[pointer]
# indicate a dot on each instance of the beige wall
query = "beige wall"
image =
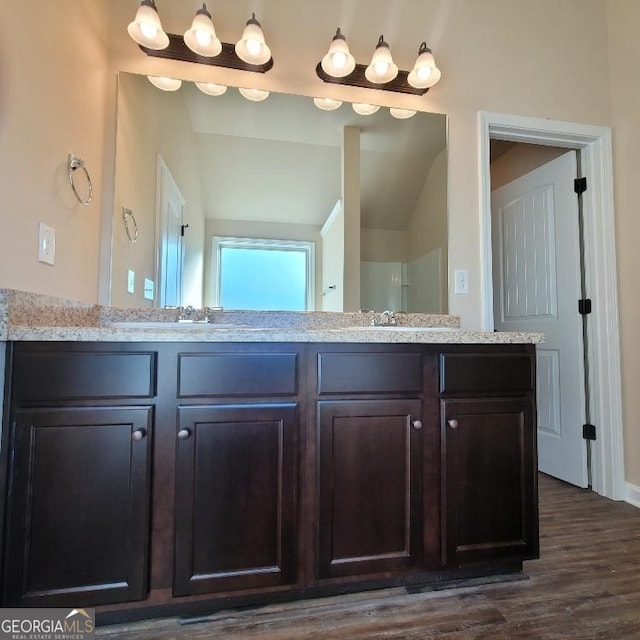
(332, 233)
(148, 127)
(520, 160)
(624, 18)
(380, 245)
(52, 102)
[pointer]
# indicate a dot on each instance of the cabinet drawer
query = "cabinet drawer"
(237, 374)
(82, 375)
(369, 373)
(486, 372)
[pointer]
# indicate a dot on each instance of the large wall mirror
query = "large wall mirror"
(202, 174)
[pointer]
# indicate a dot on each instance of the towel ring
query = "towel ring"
(78, 163)
(130, 224)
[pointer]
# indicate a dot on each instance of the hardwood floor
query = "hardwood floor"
(586, 585)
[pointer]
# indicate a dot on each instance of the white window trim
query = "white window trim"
(309, 249)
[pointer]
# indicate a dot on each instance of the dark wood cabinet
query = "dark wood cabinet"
(183, 477)
(78, 506)
(489, 479)
(370, 516)
(235, 497)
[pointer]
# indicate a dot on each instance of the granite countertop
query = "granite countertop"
(34, 317)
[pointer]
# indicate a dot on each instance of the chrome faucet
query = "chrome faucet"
(385, 319)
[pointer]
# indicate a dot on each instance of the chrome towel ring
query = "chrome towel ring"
(78, 163)
(130, 224)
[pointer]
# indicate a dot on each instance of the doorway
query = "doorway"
(594, 146)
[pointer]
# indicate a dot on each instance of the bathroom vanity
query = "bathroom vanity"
(173, 471)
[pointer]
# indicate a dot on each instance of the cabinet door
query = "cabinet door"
(78, 517)
(235, 497)
(370, 517)
(490, 480)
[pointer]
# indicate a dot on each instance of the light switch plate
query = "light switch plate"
(131, 281)
(46, 244)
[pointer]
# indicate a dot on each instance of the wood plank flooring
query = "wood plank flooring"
(585, 586)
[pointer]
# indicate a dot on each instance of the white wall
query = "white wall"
(520, 160)
(332, 289)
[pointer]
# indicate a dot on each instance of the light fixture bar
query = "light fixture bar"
(357, 79)
(178, 50)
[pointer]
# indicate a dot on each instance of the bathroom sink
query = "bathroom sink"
(403, 328)
(171, 325)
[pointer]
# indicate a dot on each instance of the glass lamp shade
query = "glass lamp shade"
(251, 48)
(338, 62)
(201, 38)
(402, 114)
(364, 109)
(255, 95)
(146, 29)
(382, 68)
(424, 73)
(327, 104)
(211, 89)
(164, 83)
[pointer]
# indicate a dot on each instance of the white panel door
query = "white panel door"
(536, 280)
(170, 241)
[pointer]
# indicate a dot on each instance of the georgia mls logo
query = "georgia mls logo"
(47, 624)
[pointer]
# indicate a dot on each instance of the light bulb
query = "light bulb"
(255, 95)
(327, 104)
(146, 29)
(338, 62)
(402, 114)
(211, 88)
(164, 83)
(382, 69)
(424, 73)
(364, 109)
(201, 37)
(252, 48)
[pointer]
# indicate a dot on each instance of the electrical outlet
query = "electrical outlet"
(148, 289)
(131, 281)
(461, 281)
(46, 244)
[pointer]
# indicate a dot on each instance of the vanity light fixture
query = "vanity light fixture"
(251, 47)
(365, 109)
(424, 73)
(382, 68)
(211, 88)
(164, 83)
(201, 38)
(327, 104)
(381, 73)
(200, 44)
(146, 29)
(255, 95)
(402, 114)
(338, 62)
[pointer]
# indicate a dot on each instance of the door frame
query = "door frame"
(603, 333)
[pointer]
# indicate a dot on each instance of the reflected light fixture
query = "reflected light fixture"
(327, 104)
(381, 69)
(211, 88)
(201, 38)
(365, 109)
(338, 62)
(146, 28)
(424, 73)
(255, 95)
(164, 83)
(402, 114)
(252, 47)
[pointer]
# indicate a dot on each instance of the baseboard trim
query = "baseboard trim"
(632, 494)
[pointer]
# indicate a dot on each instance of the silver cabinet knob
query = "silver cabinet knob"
(453, 423)
(183, 434)
(417, 424)
(138, 434)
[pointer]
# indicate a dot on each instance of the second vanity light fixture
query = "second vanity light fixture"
(339, 66)
(200, 43)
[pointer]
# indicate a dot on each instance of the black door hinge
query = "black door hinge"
(580, 185)
(588, 432)
(182, 229)
(584, 306)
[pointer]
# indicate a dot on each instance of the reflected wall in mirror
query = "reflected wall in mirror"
(195, 168)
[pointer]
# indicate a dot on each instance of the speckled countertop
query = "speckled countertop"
(33, 317)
